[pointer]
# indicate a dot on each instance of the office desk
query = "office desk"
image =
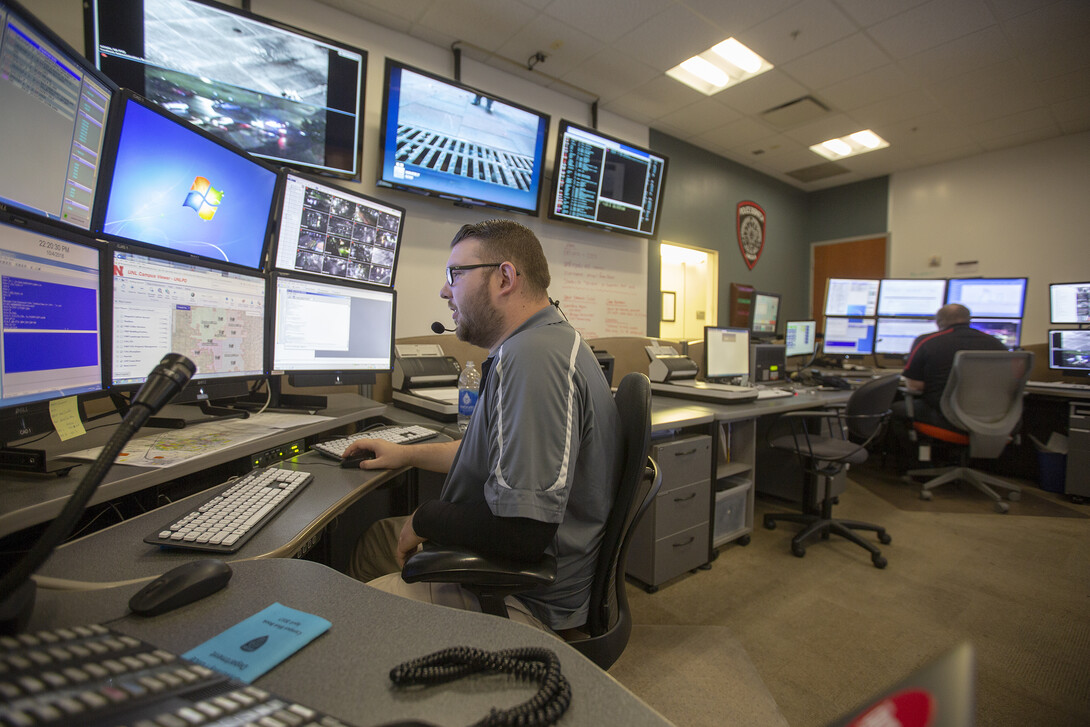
(345, 671)
(119, 553)
(30, 499)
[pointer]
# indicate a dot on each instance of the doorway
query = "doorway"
(690, 291)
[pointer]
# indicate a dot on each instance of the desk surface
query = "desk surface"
(30, 499)
(345, 671)
(668, 412)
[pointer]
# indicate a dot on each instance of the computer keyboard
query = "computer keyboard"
(773, 393)
(1060, 385)
(407, 434)
(224, 523)
(96, 677)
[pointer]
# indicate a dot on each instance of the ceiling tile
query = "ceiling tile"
(1049, 24)
(977, 50)
(868, 88)
(737, 134)
(564, 47)
(485, 23)
(669, 38)
(801, 29)
(1057, 59)
(606, 20)
(658, 97)
(830, 127)
(836, 62)
(1073, 114)
(610, 74)
(411, 10)
(908, 105)
(700, 117)
(1031, 121)
(869, 12)
(738, 16)
(762, 93)
(930, 25)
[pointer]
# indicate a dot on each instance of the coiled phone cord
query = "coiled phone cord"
(526, 664)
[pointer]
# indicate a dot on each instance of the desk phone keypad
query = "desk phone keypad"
(224, 523)
(97, 677)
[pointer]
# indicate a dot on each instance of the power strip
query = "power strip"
(278, 454)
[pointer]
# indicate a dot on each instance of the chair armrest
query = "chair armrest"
(445, 564)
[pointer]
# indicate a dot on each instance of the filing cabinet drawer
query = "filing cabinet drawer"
(681, 508)
(683, 461)
(675, 555)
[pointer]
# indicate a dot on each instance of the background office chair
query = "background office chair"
(609, 622)
(983, 400)
(853, 428)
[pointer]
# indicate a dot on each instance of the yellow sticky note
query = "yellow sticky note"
(65, 416)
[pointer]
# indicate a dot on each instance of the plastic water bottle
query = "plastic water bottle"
(469, 384)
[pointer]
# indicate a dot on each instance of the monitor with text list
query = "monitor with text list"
(1069, 352)
(1069, 302)
(726, 352)
(329, 332)
(989, 297)
(920, 298)
(211, 313)
(800, 337)
(851, 297)
(53, 125)
(765, 314)
(895, 336)
(49, 322)
(848, 336)
(327, 230)
(171, 185)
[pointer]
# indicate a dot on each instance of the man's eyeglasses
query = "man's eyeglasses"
(452, 269)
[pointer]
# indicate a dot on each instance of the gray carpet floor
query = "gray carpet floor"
(765, 638)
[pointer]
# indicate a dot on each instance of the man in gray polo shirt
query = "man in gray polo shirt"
(536, 469)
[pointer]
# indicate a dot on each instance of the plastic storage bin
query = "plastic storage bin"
(730, 511)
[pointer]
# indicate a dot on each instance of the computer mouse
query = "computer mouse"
(178, 586)
(353, 462)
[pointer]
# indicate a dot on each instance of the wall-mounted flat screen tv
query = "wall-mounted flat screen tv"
(445, 139)
(605, 182)
(276, 91)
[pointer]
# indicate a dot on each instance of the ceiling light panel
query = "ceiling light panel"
(851, 145)
(723, 65)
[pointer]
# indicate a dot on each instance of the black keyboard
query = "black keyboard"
(93, 676)
(408, 434)
(226, 522)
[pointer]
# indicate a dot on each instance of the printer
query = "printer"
(425, 381)
(669, 365)
(674, 374)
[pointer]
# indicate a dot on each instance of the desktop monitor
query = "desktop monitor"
(1069, 352)
(851, 297)
(52, 128)
(1069, 302)
(327, 230)
(765, 314)
(848, 336)
(989, 297)
(214, 314)
(800, 338)
(327, 332)
(604, 182)
(172, 185)
(49, 323)
(919, 298)
(445, 139)
(895, 336)
(726, 352)
(278, 92)
(1007, 330)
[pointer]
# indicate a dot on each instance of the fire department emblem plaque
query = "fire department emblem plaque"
(751, 231)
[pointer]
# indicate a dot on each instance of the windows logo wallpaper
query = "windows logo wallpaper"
(203, 198)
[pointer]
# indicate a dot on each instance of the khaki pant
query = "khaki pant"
(373, 562)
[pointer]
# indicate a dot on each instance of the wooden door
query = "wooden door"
(865, 258)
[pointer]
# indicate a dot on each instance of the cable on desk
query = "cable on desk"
(527, 664)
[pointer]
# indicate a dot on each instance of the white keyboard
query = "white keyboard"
(1058, 385)
(773, 393)
(227, 521)
(408, 434)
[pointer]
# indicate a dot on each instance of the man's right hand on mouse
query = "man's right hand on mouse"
(387, 455)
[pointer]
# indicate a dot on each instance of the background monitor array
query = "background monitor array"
(1069, 303)
(276, 91)
(800, 338)
(1069, 352)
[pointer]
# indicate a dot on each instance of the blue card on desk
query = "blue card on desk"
(252, 647)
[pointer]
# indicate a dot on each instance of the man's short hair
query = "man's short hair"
(508, 240)
(952, 314)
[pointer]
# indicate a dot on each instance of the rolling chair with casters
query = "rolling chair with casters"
(854, 427)
(983, 402)
(609, 622)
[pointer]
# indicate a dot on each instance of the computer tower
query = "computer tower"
(767, 363)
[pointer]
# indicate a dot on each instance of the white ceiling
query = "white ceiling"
(938, 79)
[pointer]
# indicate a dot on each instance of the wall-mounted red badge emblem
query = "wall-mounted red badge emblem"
(751, 231)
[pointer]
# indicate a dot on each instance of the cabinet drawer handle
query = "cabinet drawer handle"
(683, 499)
(682, 545)
(685, 454)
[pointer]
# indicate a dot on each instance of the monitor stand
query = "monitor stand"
(277, 399)
(206, 407)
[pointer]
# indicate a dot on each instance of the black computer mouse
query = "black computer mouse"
(179, 586)
(353, 462)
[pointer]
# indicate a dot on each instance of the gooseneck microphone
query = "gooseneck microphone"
(163, 383)
(438, 327)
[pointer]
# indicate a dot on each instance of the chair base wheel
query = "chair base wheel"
(1002, 507)
(879, 561)
(743, 541)
(651, 589)
(1014, 496)
(770, 524)
(798, 550)
(884, 538)
(925, 494)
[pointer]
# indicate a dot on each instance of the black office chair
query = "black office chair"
(853, 427)
(609, 622)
